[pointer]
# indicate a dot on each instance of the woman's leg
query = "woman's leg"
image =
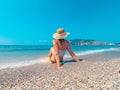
(50, 58)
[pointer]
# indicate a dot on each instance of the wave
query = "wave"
(91, 52)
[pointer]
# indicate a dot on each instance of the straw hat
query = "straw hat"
(60, 34)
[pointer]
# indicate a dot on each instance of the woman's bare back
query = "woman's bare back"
(62, 45)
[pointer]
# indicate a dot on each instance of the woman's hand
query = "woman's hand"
(59, 67)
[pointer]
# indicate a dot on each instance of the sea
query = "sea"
(22, 55)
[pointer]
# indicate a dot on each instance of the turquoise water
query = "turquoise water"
(18, 55)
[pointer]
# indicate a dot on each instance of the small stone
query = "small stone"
(119, 71)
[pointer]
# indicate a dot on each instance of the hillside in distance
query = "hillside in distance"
(79, 42)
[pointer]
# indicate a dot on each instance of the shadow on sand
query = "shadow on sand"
(69, 61)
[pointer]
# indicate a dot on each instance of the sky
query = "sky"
(33, 22)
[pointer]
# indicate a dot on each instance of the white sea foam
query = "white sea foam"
(23, 63)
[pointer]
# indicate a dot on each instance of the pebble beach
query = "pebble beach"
(94, 74)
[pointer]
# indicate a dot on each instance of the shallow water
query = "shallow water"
(19, 55)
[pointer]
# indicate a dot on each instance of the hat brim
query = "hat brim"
(61, 36)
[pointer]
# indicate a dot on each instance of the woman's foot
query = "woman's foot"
(59, 67)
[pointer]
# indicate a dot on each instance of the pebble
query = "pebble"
(119, 71)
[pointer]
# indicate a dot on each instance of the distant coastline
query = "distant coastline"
(80, 42)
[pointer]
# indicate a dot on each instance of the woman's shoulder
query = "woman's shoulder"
(66, 41)
(55, 41)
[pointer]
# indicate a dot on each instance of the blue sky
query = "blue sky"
(33, 22)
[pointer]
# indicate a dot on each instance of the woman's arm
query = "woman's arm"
(72, 54)
(56, 54)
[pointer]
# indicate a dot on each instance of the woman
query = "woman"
(60, 45)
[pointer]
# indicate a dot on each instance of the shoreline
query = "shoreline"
(87, 55)
(96, 56)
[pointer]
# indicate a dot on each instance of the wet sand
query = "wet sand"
(99, 72)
